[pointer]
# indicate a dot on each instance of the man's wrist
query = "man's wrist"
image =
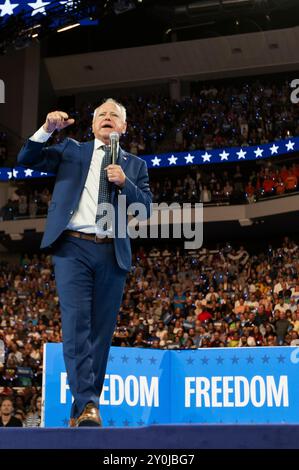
(41, 135)
(45, 129)
(123, 184)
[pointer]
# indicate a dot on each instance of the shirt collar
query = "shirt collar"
(98, 143)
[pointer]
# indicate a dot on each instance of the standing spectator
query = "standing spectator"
(179, 299)
(227, 190)
(250, 192)
(205, 195)
(282, 326)
(32, 207)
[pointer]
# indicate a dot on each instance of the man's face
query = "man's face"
(6, 407)
(108, 118)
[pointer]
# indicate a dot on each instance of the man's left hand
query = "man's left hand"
(116, 175)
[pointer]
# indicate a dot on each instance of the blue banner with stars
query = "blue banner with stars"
(196, 157)
(38, 9)
(33, 8)
(21, 173)
(219, 385)
(135, 393)
(228, 154)
(235, 385)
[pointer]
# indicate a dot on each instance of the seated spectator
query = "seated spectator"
(268, 186)
(6, 414)
(290, 181)
(233, 339)
(20, 415)
(279, 186)
(33, 418)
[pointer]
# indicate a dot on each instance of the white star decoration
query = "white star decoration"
(13, 173)
(42, 173)
(241, 154)
(258, 152)
(28, 172)
(156, 161)
(290, 145)
(38, 7)
(206, 157)
(274, 149)
(172, 160)
(7, 8)
(189, 158)
(224, 155)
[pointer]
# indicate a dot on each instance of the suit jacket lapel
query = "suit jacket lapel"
(86, 151)
(122, 159)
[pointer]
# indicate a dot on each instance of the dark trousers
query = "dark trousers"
(90, 286)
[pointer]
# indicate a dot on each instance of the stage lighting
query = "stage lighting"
(70, 26)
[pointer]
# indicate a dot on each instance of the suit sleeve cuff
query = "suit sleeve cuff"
(128, 188)
(41, 136)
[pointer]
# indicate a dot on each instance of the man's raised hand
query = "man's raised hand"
(57, 120)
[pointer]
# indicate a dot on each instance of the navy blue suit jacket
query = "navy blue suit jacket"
(70, 161)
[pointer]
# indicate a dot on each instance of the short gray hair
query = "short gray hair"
(111, 100)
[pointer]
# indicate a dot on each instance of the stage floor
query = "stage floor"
(205, 437)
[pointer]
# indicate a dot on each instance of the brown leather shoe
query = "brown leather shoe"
(89, 417)
(72, 422)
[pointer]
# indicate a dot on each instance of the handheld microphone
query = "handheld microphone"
(114, 139)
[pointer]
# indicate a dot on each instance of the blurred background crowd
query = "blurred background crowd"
(214, 115)
(236, 184)
(174, 299)
(218, 114)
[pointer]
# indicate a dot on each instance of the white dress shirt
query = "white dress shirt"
(83, 219)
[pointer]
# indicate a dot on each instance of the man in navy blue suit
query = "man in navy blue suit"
(91, 260)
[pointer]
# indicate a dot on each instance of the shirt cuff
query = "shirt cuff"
(41, 135)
